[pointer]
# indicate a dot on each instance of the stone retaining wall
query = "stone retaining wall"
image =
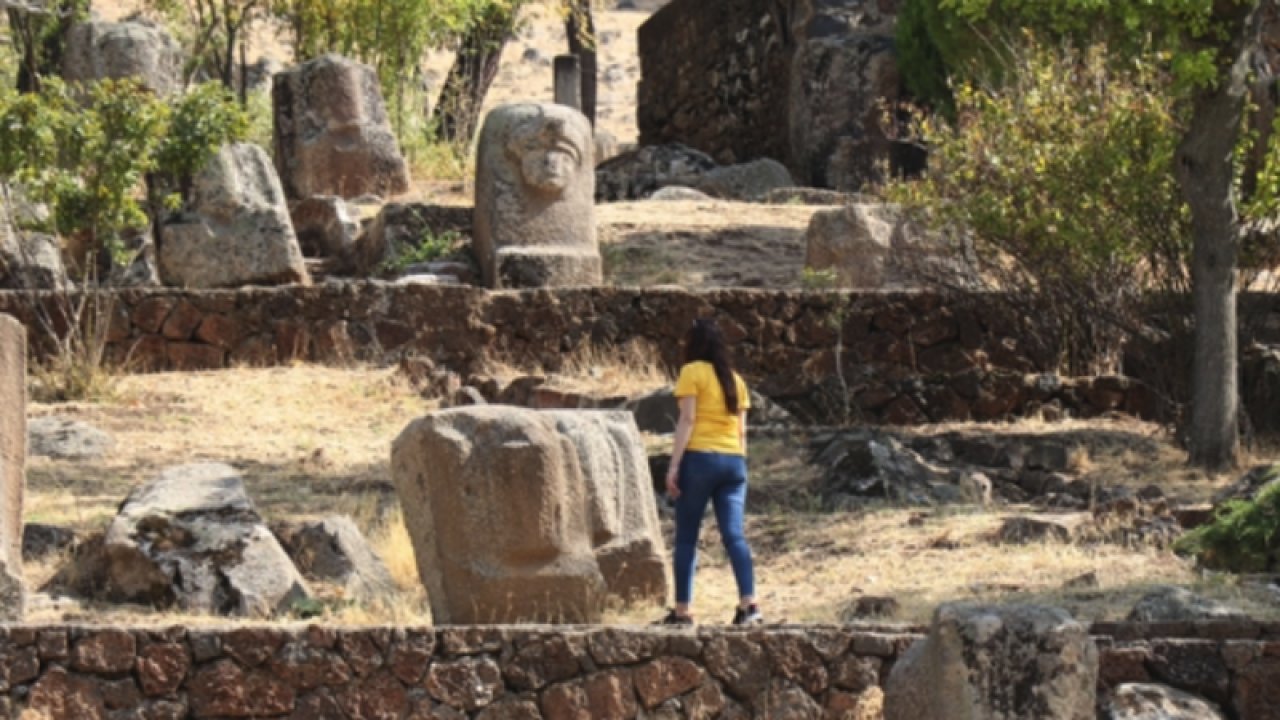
(87, 673)
(906, 356)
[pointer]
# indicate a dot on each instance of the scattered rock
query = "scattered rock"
(1144, 701)
(192, 539)
(869, 464)
(40, 540)
(65, 439)
(1087, 580)
(1027, 530)
(857, 242)
(1250, 485)
(747, 182)
(638, 174)
(400, 228)
(1175, 604)
(326, 230)
(335, 550)
(679, 193)
(813, 196)
(236, 228)
(870, 606)
(1019, 661)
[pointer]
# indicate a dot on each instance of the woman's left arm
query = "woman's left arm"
(742, 431)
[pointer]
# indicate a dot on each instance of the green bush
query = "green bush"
(1243, 536)
(1056, 188)
(87, 152)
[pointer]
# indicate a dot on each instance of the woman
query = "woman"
(709, 464)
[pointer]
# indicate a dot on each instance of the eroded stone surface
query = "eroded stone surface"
(13, 463)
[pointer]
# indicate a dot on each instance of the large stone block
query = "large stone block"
(332, 133)
(535, 189)
(496, 507)
(139, 50)
(13, 458)
(236, 229)
(621, 506)
(996, 663)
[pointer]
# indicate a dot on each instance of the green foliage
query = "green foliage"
(203, 120)
(1059, 185)
(392, 36)
(1243, 536)
(86, 152)
(944, 41)
(432, 246)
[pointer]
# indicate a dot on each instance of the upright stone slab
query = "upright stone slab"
(495, 504)
(13, 458)
(236, 228)
(139, 50)
(621, 507)
(535, 188)
(996, 663)
(332, 133)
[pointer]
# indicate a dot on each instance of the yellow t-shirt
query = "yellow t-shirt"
(715, 429)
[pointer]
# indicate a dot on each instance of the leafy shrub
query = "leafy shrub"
(1244, 535)
(432, 246)
(1056, 188)
(87, 152)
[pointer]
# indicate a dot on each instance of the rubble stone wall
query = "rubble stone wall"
(86, 673)
(905, 356)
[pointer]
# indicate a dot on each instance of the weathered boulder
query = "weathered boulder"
(1175, 604)
(332, 133)
(865, 464)
(638, 174)
(13, 463)
(535, 214)
(326, 230)
(191, 539)
(334, 549)
(496, 505)
(996, 663)
(134, 49)
(857, 241)
(1143, 701)
(748, 182)
(679, 193)
(40, 540)
(29, 260)
(66, 439)
(621, 506)
(235, 229)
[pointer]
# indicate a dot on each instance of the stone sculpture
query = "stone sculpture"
(621, 507)
(535, 184)
(332, 134)
(496, 507)
(13, 458)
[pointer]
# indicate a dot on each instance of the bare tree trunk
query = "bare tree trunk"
(475, 65)
(580, 27)
(1206, 175)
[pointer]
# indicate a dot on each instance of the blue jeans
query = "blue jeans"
(722, 480)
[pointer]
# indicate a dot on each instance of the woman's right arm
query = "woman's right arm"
(684, 430)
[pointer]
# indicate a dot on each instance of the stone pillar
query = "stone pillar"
(1013, 662)
(535, 198)
(13, 458)
(568, 81)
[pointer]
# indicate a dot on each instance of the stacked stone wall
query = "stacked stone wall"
(86, 673)
(906, 357)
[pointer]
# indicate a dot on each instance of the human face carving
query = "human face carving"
(549, 158)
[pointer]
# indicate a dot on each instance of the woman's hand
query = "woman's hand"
(673, 483)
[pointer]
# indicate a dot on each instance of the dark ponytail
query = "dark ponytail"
(705, 342)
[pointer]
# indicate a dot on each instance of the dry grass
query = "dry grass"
(316, 441)
(628, 369)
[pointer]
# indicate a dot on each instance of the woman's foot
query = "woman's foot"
(675, 618)
(749, 615)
